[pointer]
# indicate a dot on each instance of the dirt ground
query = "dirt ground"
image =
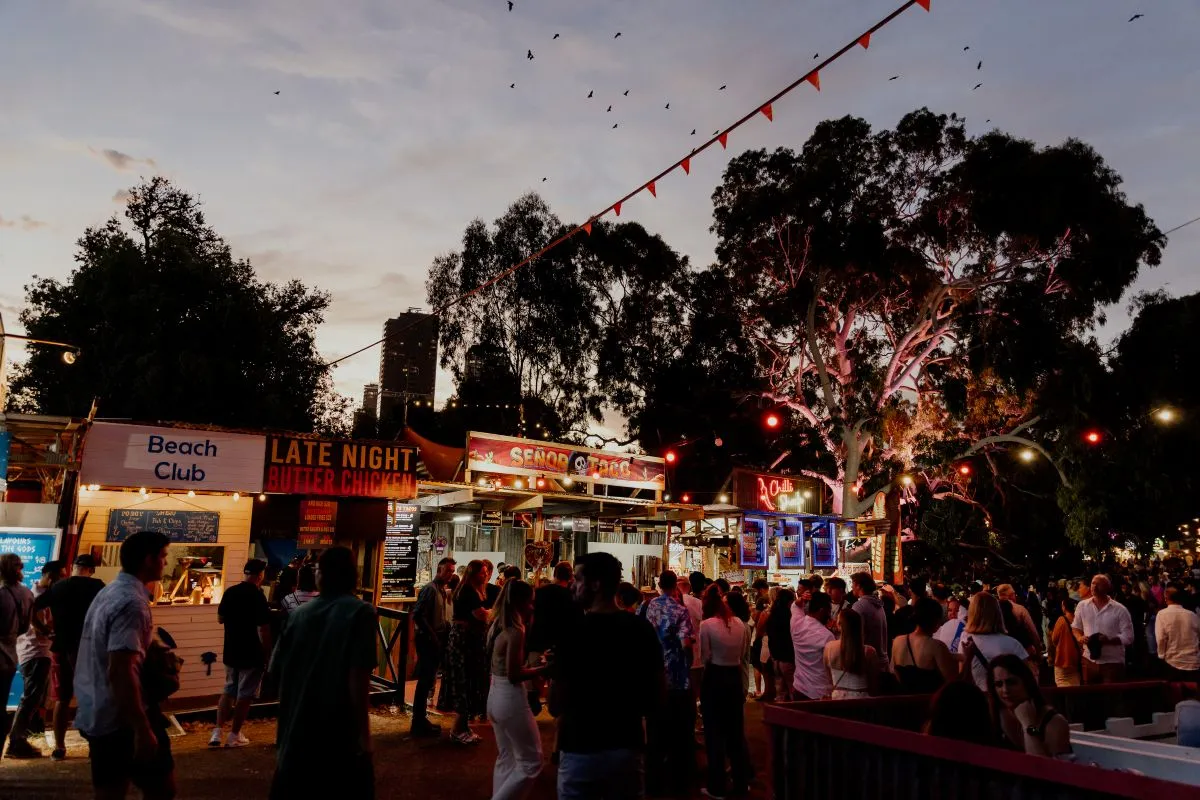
(404, 767)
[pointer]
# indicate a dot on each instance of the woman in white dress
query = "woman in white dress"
(853, 666)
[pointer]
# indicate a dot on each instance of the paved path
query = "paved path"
(404, 767)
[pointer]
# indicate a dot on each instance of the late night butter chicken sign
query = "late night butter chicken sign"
(337, 468)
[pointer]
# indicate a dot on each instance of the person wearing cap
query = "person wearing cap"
(247, 619)
(33, 653)
(68, 601)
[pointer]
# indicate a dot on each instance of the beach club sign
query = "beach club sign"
(143, 456)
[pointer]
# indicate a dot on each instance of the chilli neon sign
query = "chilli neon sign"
(775, 494)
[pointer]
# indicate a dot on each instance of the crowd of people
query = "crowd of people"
(633, 681)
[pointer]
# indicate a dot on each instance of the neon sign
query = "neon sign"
(786, 494)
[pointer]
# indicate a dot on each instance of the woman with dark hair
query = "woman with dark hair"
(740, 607)
(629, 597)
(518, 743)
(1019, 712)
(853, 666)
(466, 653)
(306, 589)
(778, 634)
(1064, 648)
(922, 663)
(724, 642)
(960, 711)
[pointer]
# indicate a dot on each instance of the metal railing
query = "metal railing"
(395, 664)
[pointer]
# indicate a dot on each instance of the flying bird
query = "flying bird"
(614, 127)
(618, 36)
(529, 55)
(276, 92)
(716, 132)
(510, 5)
(693, 131)
(894, 77)
(986, 121)
(965, 49)
(609, 109)
(977, 86)
(555, 36)
(979, 65)
(816, 56)
(1136, 17)
(627, 93)
(590, 92)
(721, 88)
(512, 86)
(667, 106)
(543, 180)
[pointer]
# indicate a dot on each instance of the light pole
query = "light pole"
(69, 355)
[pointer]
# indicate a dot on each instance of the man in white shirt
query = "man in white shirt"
(809, 637)
(1177, 631)
(1104, 629)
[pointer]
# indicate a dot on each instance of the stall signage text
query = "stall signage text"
(318, 523)
(501, 454)
(752, 544)
(171, 458)
(340, 468)
(775, 493)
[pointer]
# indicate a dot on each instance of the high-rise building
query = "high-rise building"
(408, 362)
(370, 401)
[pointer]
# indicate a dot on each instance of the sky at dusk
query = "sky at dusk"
(395, 123)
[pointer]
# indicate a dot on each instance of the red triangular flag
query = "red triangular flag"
(587, 228)
(768, 112)
(865, 41)
(923, 4)
(724, 139)
(687, 166)
(815, 79)
(617, 208)
(650, 186)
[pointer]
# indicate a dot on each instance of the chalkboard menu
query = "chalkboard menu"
(823, 535)
(752, 544)
(184, 527)
(400, 552)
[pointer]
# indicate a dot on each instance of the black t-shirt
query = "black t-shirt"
(465, 603)
(69, 601)
(610, 669)
(554, 611)
(493, 594)
(242, 610)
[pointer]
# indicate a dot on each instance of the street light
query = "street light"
(1028, 454)
(1166, 415)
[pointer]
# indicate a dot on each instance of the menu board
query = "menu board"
(400, 552)
(791, 546)
(318, 522)
(752, 545)
(190, 527)
(823, 535)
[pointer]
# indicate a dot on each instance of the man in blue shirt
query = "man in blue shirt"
(128, 737)
(670, 748)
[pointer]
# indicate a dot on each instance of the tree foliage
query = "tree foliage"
(571, 334)
(173, 327)
(891, 279)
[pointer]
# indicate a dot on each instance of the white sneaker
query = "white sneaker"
(237, 740)
(215, 739)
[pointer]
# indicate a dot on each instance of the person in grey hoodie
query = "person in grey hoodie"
(869, 607)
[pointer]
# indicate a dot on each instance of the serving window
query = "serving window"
(194, 575)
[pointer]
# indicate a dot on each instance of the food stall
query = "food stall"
(196, 485)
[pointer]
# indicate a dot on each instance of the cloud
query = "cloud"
(24, 222)
(122, 196)
(122, 161)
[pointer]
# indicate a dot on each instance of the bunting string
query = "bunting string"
(812, 77)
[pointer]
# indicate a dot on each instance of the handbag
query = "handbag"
(161, 668)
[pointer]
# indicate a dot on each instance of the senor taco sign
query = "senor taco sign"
(336, 468)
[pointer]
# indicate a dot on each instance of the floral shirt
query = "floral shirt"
(673, 625)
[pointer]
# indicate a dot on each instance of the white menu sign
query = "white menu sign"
(137, 456)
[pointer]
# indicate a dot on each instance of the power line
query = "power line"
(1184, 225)
(812, 76)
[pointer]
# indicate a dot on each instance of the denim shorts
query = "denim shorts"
(242, 683)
